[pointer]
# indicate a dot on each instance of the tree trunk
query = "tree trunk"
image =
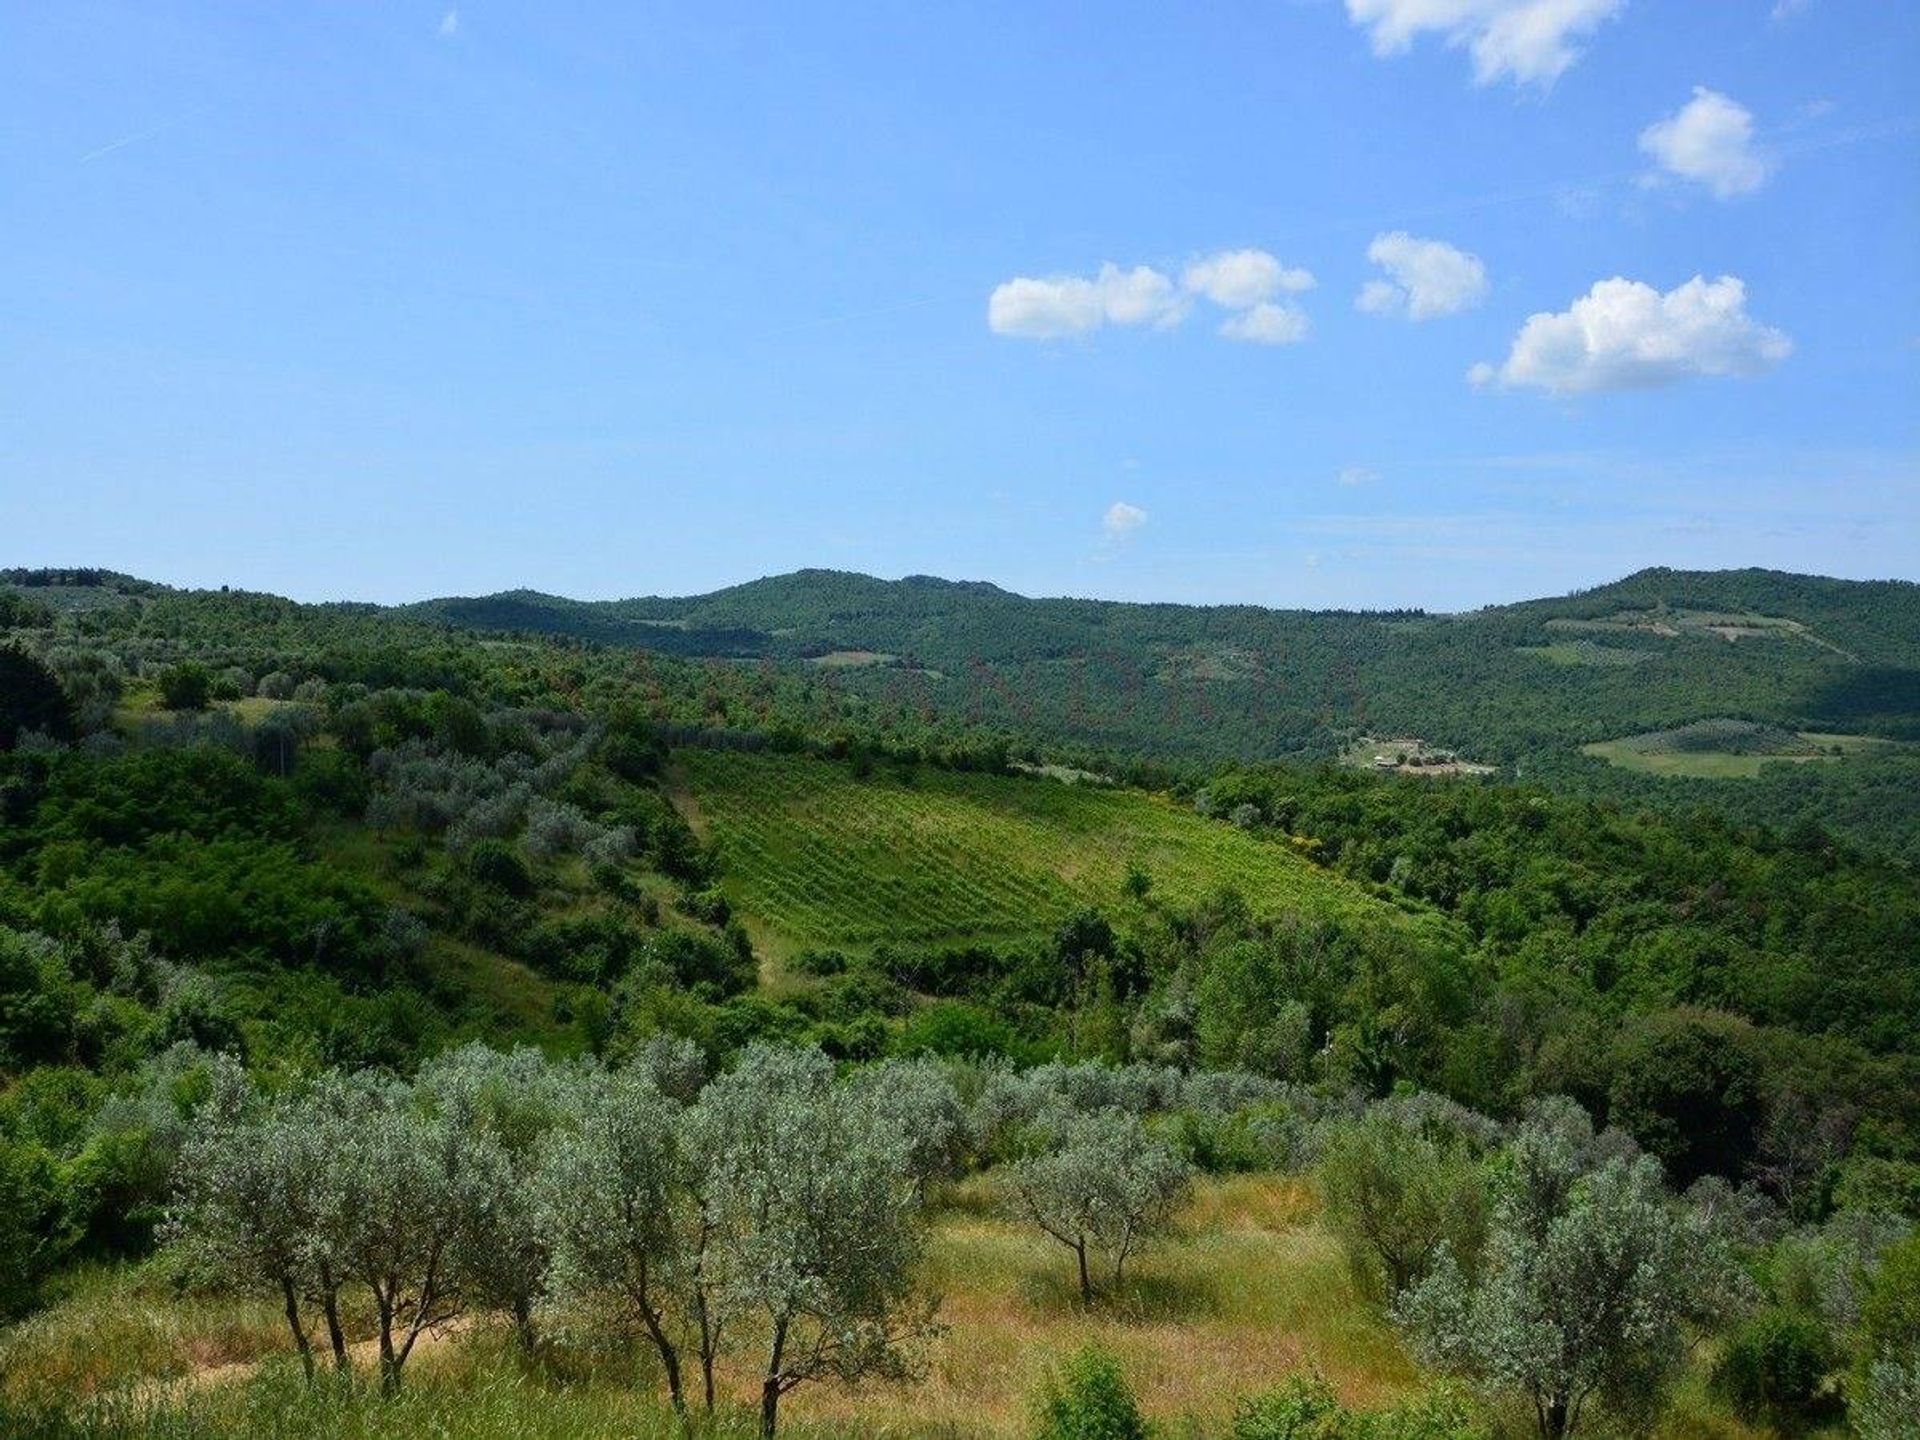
(663, 1342)
(293, 1323)
(1086, 1280)
(669, 1361)
(330, 1307)
(389, 1361)
(709, 1351)
(523, 1323)
(770, 1386)
(1553, 1421)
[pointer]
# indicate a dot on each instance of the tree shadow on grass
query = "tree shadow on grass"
(1141, 1298)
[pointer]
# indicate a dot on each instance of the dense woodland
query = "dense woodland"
(282, 887)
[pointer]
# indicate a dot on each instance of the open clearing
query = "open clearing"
(1724, 749)
(821, 858)
(1248, 1290)
(1408, 755)
(1587, 653)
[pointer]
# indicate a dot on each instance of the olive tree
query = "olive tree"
(816, 1224)
(1585, 1281)
(242, 1206)
(1395, 1195)
(1101, 1182)
(1888, 1398)
(402, 1188)
(918, 1099)
(508, 1102)
(622, 1200)
(256, 1193)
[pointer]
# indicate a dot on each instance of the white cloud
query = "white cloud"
(1429, 278)
(1624, 335)
(1248, 282)
(1121, 520)
(1357, 475)
(1239, 279)
(449, 24)
(1531, 41)
(1061, 305)
(1709, 139)
(1270, 322)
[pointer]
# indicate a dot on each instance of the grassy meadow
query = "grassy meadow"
(820, 857)
(1724, 749)
(1248, 1290)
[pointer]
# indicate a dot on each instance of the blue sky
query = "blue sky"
(391, 300)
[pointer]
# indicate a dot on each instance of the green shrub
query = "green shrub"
(1090, 1401)
(1890, 1317)
(1775, 1366)
(497, 865)
(953, 1027)
(820, 962)
(186, 686)
(1304, 1408)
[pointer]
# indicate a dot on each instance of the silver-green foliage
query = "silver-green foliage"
(1101, 1182)
(811, 1195)
(1586, 1279)
(623, 1199)
(1888, 1407)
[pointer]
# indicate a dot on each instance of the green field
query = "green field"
(1586, 652)
(820, 858)
(1723, 749)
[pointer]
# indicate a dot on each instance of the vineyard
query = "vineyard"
(822, 858)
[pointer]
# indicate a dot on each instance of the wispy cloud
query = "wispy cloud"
(1120, 521)
(1530, 42)
(450, 24)
(134, 139)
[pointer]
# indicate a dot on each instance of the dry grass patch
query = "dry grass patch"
(1248, 1291)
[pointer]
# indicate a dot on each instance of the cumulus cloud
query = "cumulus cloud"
(1429, 278)
(1055, 306)
(1624, 335)
(1251, 283)
(1121, 520)
(1240, 279)
(1529, 41)
(1270, 322)
(1708, 140)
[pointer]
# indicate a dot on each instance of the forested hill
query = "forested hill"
(1764, 695)
(1769, 696)
(818, 611)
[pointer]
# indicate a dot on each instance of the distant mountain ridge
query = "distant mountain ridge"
(831, 609)
(1541, 689)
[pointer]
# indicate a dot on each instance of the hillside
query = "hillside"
(1537, 688)
(823, 858)
(271, 866)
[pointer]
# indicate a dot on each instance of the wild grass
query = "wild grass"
(1248, 1290)
(116, 1325)
(1723, 749)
